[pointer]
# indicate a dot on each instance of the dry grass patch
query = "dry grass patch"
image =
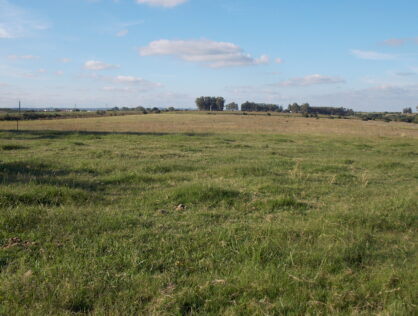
(223, 123)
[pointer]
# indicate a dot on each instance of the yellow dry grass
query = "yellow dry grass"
(222, 123)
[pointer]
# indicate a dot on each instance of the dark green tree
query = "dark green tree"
(232, 107)
(210, 103)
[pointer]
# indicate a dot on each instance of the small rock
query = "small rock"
(180, 207)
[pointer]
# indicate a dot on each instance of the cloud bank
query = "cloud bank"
(210, 53)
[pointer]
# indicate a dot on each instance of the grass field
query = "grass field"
(186, 122)
(283, 216)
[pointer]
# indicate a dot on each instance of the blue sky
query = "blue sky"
(94, 53)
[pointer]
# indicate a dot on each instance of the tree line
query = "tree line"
(305, 108)
(260, 107)
(218, 104)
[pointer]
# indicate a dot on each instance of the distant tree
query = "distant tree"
(304, 108)
(210, 103)
(407, 111)
(294, 108)
(171, 109)
(260, 107)
(232, 107)
(220, 104)
(200, 103)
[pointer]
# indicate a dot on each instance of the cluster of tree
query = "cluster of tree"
(13, 115)
(210, 103)
(260, 107)
(305, 108)
(29, 116)
(407, 111)
(389, 117)
(232, 107)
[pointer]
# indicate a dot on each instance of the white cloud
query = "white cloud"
(123, 83)
(97, 65)
(33, 74)
(16, 22)
(394, 42)
(278, 60)
(162, 3)
(210, 53)
(370, 55)
(311, 80)
(65, 60)
(24, 57)
(122, 33)
(377, 98)
(4, 33)
(128, 79)
(118, 89)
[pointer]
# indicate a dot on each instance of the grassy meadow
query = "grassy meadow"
(281, 216)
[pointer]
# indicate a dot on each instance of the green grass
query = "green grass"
(273, 225)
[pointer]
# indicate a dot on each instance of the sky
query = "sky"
(102, 53)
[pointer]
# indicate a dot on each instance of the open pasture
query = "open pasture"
(201, 122)
(283, 216)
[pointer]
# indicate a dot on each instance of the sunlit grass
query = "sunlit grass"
(273, 224)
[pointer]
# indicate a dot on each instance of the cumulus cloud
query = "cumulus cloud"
(135, 81)
(311, 80)
(97, 65)
(278, 60)
(128, 79)
(162, 3)
(370, 55)
(210, 53)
